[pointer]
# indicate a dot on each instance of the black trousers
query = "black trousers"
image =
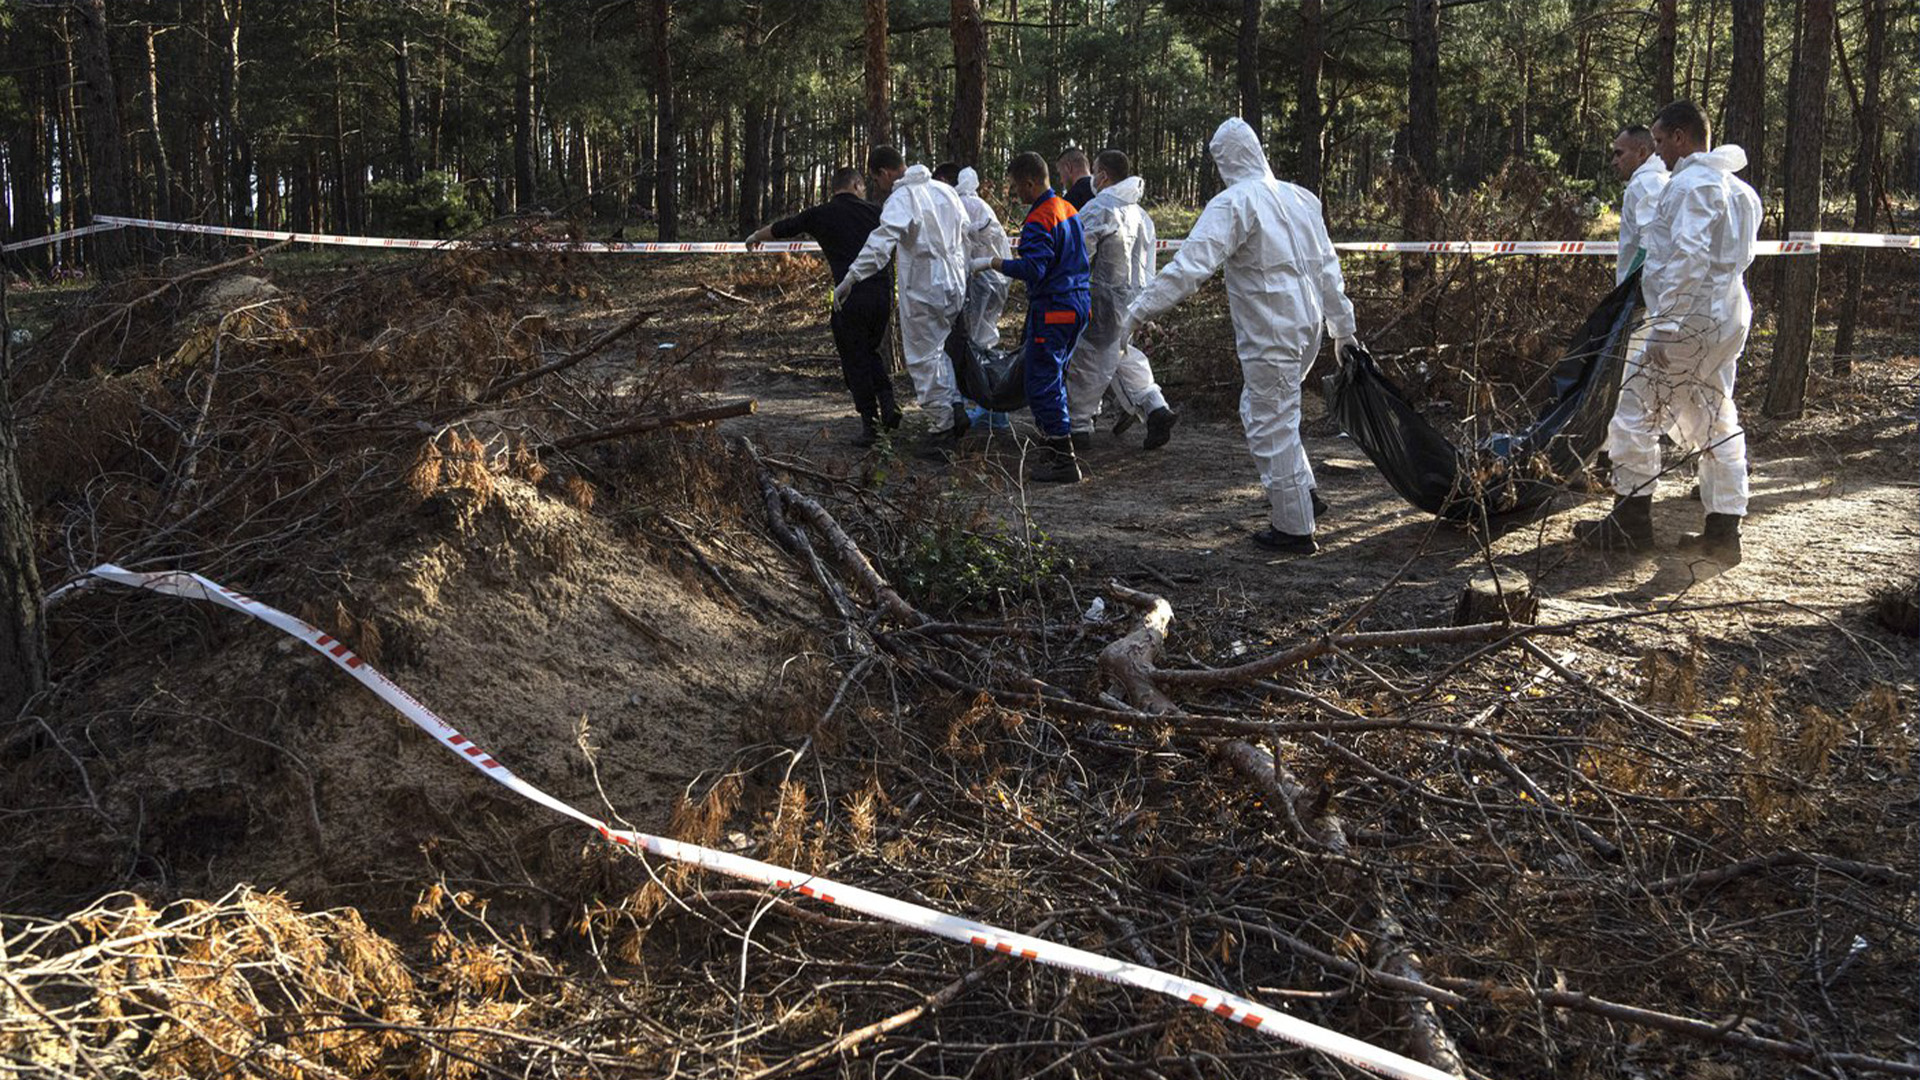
(860, 336)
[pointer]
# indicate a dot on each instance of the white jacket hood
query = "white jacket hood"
(1236, 152)
(969, 182)
(1127, 192)
(916, 174)
(1727, 158)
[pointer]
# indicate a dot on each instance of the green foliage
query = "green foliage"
(954, 566)
(434, 205)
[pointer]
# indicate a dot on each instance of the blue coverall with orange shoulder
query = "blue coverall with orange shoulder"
(1053, 263)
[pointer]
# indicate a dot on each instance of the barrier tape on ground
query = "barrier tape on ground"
(64, 234)
(1227, 1006)
(1798, 243)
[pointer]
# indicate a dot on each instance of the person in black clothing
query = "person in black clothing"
(1076, 177)
(840, 226)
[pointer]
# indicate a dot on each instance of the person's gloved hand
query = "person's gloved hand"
(841, 290)
(979, 263)
(752, 241)
(1341, 345)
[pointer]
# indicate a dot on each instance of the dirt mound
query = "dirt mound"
(359, 450)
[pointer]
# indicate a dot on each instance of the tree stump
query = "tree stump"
(1504, 595)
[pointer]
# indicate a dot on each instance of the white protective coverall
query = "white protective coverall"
(1699, 244)
(1637, 207)
(986, 238)
(1120, 241)
(922, 230)
(1283, 283)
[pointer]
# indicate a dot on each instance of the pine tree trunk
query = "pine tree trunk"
(1247, 64)
(239, 153)
(879, 117)
(403, 99)
(1309, 119)
(1866, 167)
(1800, 278)
(23, 639)
(27, 164)
(968, 129)
(106, 173)
(1422, 131)
(1747, 91)
(525, 178)
(667, 159)
(162, 175)
(1665, 32)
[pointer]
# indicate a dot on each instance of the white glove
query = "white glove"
(841, 290)
(979, 263)
(1341, 345)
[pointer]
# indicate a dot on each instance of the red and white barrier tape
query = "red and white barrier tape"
(64, 234)
(1859, 239)
(1228, 1006)
(1799, 243)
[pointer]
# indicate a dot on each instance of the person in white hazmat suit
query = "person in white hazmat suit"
(1646, 175)
(1120, 247)
(922, 231)
(986, 293)
(1283, 284)
(1699, 244)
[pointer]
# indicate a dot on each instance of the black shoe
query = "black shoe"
(869, 435)
(1629, 527)
(1720, 541)
(1057, 464)
(890, 421)
(1082, 442)
(1286, 543)
(942, 445)
(1121, 425)
(1319, 504)
(1159, 428)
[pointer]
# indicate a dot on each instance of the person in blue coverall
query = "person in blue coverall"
(1053, 263)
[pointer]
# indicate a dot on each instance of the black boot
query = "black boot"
(1082, 442)
(942, 445)
(1057, 464)
(869, 434)
(1629, 527)
(1159, 428)
(1286, 543)
(1319, 504)
(1720, 540)
(1124, 422)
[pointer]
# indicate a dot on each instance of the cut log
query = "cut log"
(1503, 595)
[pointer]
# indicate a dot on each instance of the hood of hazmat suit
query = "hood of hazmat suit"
(986, 238)
(1699, 245)
(1282, 275)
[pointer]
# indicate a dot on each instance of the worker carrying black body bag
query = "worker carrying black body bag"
(1508, 472)
(994, 380)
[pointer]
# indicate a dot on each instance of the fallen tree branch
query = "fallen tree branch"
(647, 424)
(492, 393)
(808, 1059)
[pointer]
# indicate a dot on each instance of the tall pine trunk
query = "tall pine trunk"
(162, 175)
(1746, 124)
(1800, 277)
(1309, 119)
(403, 100)
(1666, 30)
(525, 178)
(106, 172)
(1421, 166)
(23, 636)
(666, 146)
(1866, 167)
(968, 129)
(879, 117)
(1247, 64)
(238, 152)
